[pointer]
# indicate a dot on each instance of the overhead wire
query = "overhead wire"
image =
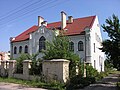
(13, 10)
(41, 9)
(31, 11)
(1, 19)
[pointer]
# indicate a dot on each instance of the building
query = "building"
(4, 55)
(84, 34)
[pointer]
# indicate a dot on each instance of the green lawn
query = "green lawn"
(54, 85)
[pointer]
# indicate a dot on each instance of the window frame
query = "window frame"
(26, 49)
(15, 50)
(42, 43)
(80, 46)
(20, 49)
(71, 46)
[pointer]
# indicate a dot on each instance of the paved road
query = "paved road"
(11, 86)
(108, 83)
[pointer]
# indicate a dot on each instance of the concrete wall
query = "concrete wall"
(57, 69)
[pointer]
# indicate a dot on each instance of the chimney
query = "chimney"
(63, 20)
(70, 19)
(44, 23)
(40, 20)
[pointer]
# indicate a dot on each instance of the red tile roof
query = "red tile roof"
(77, 27)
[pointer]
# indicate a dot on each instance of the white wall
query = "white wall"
(75, 40)
(97, 54)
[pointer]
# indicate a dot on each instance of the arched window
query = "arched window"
(20, 49)
(80, 46)
(26, 49)
(71, 46)
(42, 43)
(15, 50)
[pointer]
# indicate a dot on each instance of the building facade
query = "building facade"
(4, 55)
(84, 33)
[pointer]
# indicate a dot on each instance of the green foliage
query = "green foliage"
(19, 66)
(36, 67)
(111, 46)
(52, 85)
(108, 65)
(79, 82)
(59, 49)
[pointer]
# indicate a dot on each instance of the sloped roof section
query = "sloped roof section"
(25, 35)
(75, 28)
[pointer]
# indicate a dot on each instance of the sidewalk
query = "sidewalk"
(107, 83)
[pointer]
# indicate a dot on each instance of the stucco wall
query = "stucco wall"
(18, 44)
(98, 53)
(56, 69)
(34, 39)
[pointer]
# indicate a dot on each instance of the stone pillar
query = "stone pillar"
(12, 64)
(26, 66)
(0, 63)
(56, 69)
(3, 68)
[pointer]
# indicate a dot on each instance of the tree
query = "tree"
(59, 49)
(111, 46)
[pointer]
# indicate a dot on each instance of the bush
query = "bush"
(19, 65)
(79, 82)
(36, 67)
(59, 49)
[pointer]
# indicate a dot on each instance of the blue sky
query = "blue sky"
(18, 15)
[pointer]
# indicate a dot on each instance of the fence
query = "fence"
(56, 69)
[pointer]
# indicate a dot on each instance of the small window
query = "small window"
(94, 47)
(42, 43)
(20, 49)
(15, 50)
(71, 46)
(26, 49)
(80, 46)
(94, 64)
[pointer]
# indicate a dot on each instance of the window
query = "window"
(71, 46)
(94, 64)
(26, 49)
(42, 43)
(94, 47)
(15, 50)
(80, 46)
(20, 49)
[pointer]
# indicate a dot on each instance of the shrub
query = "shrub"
(59, 49)
(36, 67)
(79, 82)
(19, 65)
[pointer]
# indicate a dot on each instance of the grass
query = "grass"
(38, 84)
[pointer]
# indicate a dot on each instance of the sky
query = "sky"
(17, 16)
